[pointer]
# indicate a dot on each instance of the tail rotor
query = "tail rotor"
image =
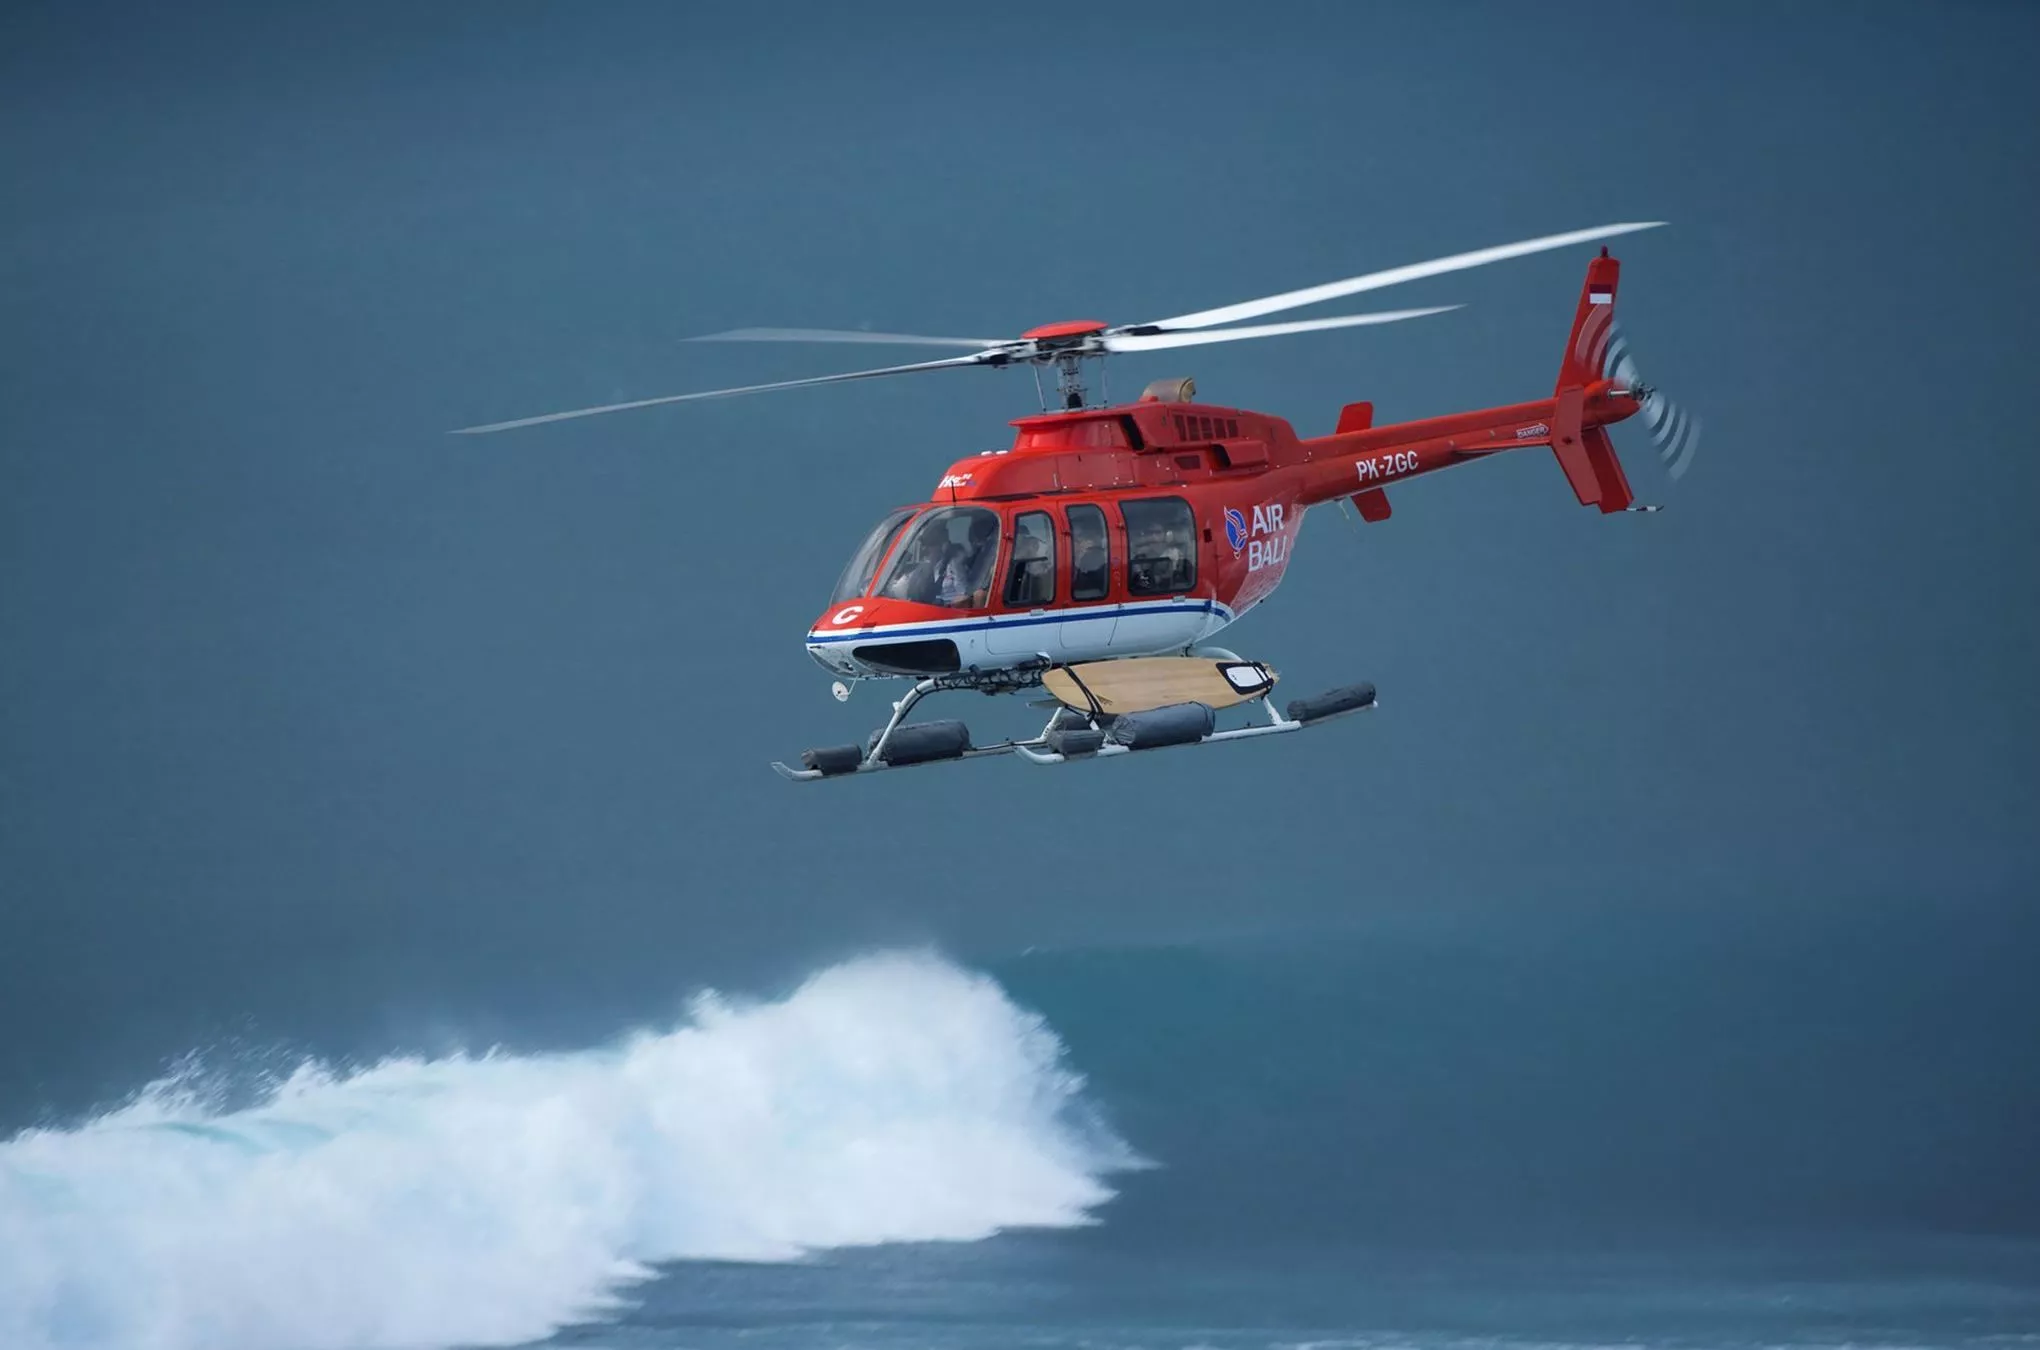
(1673, 429)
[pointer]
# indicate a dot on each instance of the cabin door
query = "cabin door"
(1025, 622)
(1091, 616)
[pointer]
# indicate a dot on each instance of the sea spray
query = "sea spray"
(488, 1200)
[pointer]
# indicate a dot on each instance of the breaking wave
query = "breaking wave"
(488, 1200)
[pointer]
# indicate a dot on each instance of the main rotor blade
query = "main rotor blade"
(1394, 276)
(842, 335)
(1149, 342)
(971, 360)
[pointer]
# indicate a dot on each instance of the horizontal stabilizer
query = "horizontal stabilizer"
(1615, 493)
(1571, 452)
(1354, 417)
(1588, 458)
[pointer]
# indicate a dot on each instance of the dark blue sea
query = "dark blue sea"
(1350, 1143)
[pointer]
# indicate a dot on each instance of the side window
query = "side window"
(1090, 554)
(1030, 581)
(1161, 546)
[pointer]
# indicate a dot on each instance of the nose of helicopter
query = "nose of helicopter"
(878, 637)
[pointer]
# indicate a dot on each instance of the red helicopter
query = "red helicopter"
(1097, 555)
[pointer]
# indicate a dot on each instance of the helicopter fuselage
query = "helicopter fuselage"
(1149, 527)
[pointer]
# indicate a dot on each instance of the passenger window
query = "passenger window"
(1090, 554)
(1030, 581)
(1161, 546)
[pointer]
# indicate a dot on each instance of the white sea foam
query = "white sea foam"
(488, 1200)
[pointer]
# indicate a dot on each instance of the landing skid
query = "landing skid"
(1070, 735)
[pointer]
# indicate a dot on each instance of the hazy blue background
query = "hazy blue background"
(320, 728)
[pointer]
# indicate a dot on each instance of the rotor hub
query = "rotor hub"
(1066, 333)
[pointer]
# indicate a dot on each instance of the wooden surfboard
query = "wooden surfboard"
(1138, 683)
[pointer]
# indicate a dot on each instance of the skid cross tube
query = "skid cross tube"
(900, 709)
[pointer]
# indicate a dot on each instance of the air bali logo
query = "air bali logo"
(1235, 529)
(1268, 540)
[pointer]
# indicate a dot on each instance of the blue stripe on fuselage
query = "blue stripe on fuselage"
(979, 625)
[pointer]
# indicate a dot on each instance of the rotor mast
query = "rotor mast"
(1066, 344)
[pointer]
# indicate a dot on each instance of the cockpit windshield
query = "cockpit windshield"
(947, 560)
(864, 563)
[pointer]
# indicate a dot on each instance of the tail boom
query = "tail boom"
(1345, 465)
(1360, 458)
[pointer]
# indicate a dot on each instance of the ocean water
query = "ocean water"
(904, 1151)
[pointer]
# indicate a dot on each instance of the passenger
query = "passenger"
(1176, 561)
(1091, 580)
(1149, 566)
(1175, 552)
(1032, 579)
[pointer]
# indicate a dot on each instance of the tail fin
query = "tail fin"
(1585, 453)
(1593, 325)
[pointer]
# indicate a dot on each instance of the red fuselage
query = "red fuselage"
(1240, 480)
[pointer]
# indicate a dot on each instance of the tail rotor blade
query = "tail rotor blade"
(1677, 433)
(1617, 364)
(1674, 430)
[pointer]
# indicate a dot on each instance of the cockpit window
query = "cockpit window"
(856, 578)
(947, 559)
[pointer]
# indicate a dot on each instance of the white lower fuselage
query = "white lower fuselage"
(1062, 635)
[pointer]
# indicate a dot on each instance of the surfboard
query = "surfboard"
(1138, 683)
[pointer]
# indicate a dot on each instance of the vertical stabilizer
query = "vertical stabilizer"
(1585, 453)
(1586, 349)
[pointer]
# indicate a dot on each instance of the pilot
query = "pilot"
(916, 578)
(961, 576)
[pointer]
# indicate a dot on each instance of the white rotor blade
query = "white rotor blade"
(842, 335)
(714, 393)
(1149, 342)
(1394, 276)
